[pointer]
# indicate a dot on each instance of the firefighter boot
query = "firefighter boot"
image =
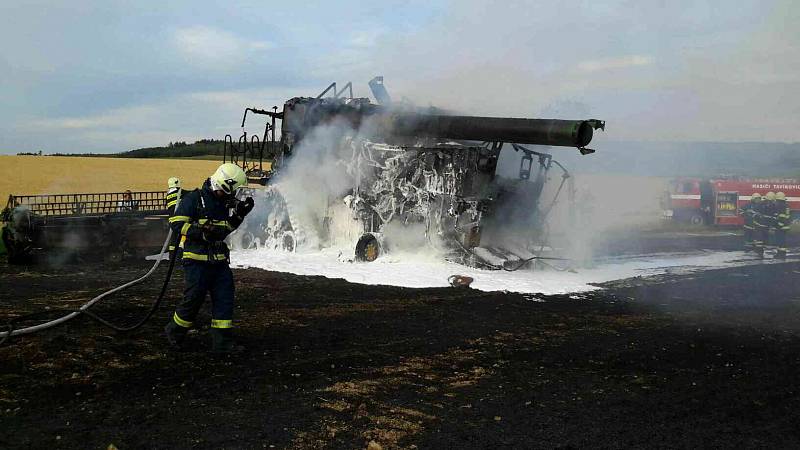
(222, 341)
(176, 335)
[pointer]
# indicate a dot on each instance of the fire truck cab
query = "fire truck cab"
(719, 201)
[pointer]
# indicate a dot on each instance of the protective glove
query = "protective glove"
(244, 207)
(212, 233)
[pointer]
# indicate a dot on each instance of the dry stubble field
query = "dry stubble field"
(28, 175)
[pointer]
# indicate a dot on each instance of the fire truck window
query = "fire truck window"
(687, 187)
(726, 204)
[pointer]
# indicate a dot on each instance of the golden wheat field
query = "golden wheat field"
(28, 175)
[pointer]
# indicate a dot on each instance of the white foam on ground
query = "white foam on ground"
(419, 271)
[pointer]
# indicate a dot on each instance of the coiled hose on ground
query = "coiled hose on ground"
(84, 309)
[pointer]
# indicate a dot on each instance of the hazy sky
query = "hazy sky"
(108, 76)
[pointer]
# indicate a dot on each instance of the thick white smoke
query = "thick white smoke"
(314, 178)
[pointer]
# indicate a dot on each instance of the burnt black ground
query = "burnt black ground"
(706, 359)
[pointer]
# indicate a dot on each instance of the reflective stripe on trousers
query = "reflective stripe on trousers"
(181, 322)
(221, 323)
(203, 278)
(202, 257)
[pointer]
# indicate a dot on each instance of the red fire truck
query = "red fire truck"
(718, 201)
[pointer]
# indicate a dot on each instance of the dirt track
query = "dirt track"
(708, 359)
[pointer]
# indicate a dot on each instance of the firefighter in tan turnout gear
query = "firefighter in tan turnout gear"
(203, 218)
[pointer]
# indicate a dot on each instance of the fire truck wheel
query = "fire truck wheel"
(696, 219)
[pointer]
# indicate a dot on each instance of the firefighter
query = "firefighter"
(769, 213)
(174, 192)
(761, 223)
(173, 195)
(203, 218)
(783, 220)
(749, 211)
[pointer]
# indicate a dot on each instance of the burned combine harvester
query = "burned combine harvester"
(400, 170)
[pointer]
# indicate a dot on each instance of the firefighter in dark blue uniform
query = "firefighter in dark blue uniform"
(762, 221)
(783, 221)
(203, 219)
(174, 193)
(749, 212)
(171, 199)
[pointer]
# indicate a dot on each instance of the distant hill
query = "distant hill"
(210, 149)
(666, 159)
(204, 148)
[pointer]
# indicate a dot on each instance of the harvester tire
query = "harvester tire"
(288, 241)
(18, 252)
(368, 248)
(3, 250)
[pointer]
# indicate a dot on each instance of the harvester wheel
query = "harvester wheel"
(18, 252)
(248, 241)
(368, 248)
(287, 241)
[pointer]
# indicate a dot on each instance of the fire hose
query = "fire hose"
(84, 309)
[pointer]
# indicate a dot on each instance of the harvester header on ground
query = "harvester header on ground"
(113, 223)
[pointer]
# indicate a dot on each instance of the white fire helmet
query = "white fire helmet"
(228, 178)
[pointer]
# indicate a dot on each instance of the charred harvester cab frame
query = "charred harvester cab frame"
(403, 166)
